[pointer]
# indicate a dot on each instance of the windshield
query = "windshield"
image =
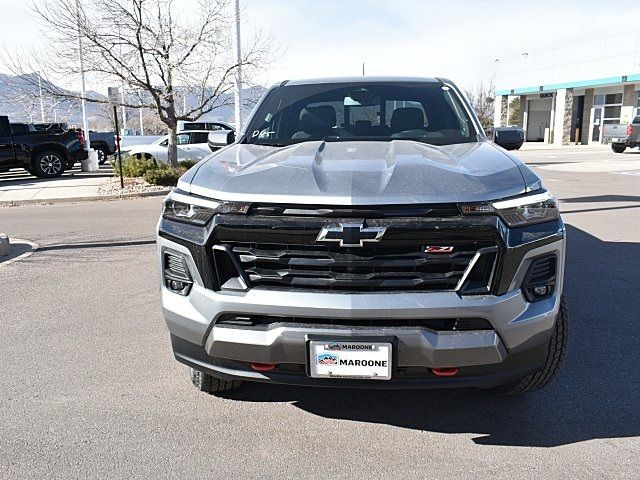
(425, 112)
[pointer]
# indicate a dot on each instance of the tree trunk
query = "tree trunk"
(173, 146)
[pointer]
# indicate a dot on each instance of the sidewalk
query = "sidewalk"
(18, 185)
(568, 148)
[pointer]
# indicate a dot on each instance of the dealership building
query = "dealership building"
(571, 112)
(568, 93)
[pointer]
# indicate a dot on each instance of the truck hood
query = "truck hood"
(357, 173)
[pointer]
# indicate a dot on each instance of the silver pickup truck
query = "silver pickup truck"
(363, 232)
(622, 135)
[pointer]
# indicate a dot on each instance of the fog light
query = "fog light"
(176, 285)
(540, 291)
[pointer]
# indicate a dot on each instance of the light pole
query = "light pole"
(85, 124)
(141, 122)
(41, 99)
(124, 110)
(237, 93)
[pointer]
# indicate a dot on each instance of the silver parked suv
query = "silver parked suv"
(363, 232)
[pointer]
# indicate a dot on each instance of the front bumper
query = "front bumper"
(515, 347)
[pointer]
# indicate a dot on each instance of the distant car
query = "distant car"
(104, 143)
(509, 138)
(622, 135)
(209, 126)
(192, 145)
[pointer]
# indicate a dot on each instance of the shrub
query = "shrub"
(133, 167)
(187, 163)
(163, 175)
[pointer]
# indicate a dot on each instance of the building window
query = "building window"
(637, 104)
(613, 98)
(612, 112)
(607, 110)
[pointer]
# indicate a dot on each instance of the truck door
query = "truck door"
(7, 157)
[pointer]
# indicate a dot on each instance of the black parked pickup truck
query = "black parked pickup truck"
(102, 142)
(44, 154)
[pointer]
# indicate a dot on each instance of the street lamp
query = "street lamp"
(237, 93)
(85, 124)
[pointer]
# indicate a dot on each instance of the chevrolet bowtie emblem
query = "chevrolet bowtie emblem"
(351, 234)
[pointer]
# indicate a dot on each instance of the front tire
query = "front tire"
(210, 384)
(48, 164)
(557, 350)
(618, 147)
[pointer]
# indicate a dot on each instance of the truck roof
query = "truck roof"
(309, 81)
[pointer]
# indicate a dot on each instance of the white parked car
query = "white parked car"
(184, 125)
(192, 145)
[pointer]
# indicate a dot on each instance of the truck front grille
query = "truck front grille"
(336, 268)
(363, 269)
(413, 255)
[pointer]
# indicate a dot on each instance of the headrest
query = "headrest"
(317, 120)
(410, 118)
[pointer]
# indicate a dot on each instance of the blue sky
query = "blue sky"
(457, 39)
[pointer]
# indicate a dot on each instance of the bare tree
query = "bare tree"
(152, 47)
(481, 98)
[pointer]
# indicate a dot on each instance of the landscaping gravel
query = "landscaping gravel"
(131, 185)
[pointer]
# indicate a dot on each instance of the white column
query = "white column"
(552, 120)
(525, 117)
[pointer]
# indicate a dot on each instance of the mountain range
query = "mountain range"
(20, 100)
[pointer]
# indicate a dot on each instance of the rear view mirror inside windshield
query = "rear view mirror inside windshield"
(361, 97)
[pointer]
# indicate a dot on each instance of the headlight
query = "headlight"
(527, 210)
(197, 211)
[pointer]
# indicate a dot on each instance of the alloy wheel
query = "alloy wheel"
(51, 164)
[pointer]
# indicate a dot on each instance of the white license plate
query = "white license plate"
(336, 359)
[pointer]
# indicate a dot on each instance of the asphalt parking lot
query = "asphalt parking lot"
(89, 388)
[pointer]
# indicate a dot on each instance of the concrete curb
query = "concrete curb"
(48, 201)
(14, 241)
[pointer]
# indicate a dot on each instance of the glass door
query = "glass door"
(597, 123)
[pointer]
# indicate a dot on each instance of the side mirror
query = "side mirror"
(509, 138)
(220, 138)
